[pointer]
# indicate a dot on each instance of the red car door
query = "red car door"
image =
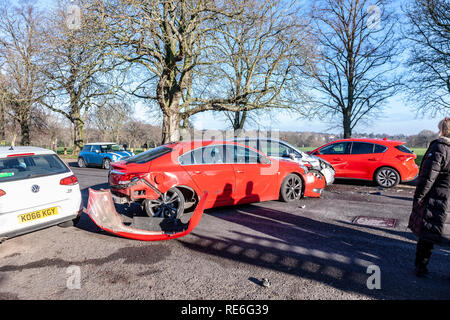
(210, 172)
(365, 158)
(338, 154)
(255, 180)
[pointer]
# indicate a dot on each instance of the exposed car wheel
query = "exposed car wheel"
(170, 205)
(387, 177)
(81, 163)
(291, 188)
(106, 164)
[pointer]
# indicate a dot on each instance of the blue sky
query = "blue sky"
(398, 117)
(397, 120)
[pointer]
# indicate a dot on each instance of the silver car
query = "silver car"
(280, 149)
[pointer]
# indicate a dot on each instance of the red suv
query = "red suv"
(386, 162)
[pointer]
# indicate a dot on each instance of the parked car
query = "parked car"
(37, 190)
(386, 162)
(102, 154)
(168, 180)
(282, 150)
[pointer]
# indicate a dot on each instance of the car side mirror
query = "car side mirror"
(292, 156)
(97, 151)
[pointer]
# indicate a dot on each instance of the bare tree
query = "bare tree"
(3, 106)
(21, 47)
(428, 33)
(76, 65)
(164, 41)
(136, 133)
(110, 119)
(256, 56)
(355, 61)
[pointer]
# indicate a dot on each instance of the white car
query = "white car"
(282, 150)
(37, 190)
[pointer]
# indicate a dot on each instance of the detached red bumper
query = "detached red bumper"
(102, 211)
(314, 185)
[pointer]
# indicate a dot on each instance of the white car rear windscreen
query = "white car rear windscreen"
(27, 167)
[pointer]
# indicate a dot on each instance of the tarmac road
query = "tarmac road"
(308, 250)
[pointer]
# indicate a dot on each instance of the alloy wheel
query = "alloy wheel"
(81, 163)
(169, 205)
(293, 188)
(106, 164)
(387, 177)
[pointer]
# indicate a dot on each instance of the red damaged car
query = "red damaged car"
(170, 179)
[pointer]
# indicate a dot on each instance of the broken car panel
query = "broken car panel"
(102, 211)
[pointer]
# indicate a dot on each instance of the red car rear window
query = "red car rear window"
(404, 149)
(149, 155)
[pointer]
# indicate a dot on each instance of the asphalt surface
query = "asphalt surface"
(307, 250)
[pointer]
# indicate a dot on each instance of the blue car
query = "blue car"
(102, 154)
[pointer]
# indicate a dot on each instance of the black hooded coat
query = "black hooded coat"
(432, 195)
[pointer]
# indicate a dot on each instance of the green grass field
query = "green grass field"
(420, 153)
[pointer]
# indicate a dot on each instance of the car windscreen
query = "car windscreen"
(27, 167)
(149, 155)
(111, 148)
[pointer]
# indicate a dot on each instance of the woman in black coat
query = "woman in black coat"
(432, 198)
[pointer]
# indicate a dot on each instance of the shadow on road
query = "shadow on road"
(328, 253)
(368, 183)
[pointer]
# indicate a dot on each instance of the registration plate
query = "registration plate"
(39, 214)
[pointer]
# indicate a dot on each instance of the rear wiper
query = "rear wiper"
(31, 175)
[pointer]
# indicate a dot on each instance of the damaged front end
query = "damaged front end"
(102, 211)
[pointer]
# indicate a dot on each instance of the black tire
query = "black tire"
(387, 177)
(106, 164)
(70, 223)
(81, 163)
(170, 206)
(291, 188)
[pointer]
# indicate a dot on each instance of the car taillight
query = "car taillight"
(128, 177)
(2, 193)
(69, 181)
(404, 157)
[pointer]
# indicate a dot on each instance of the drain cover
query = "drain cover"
(376, 222)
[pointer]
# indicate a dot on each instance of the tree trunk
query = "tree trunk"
(25, 131)
(2, 122)
(346, 115)
(170, 127)
(78, 140)
(239, 120)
